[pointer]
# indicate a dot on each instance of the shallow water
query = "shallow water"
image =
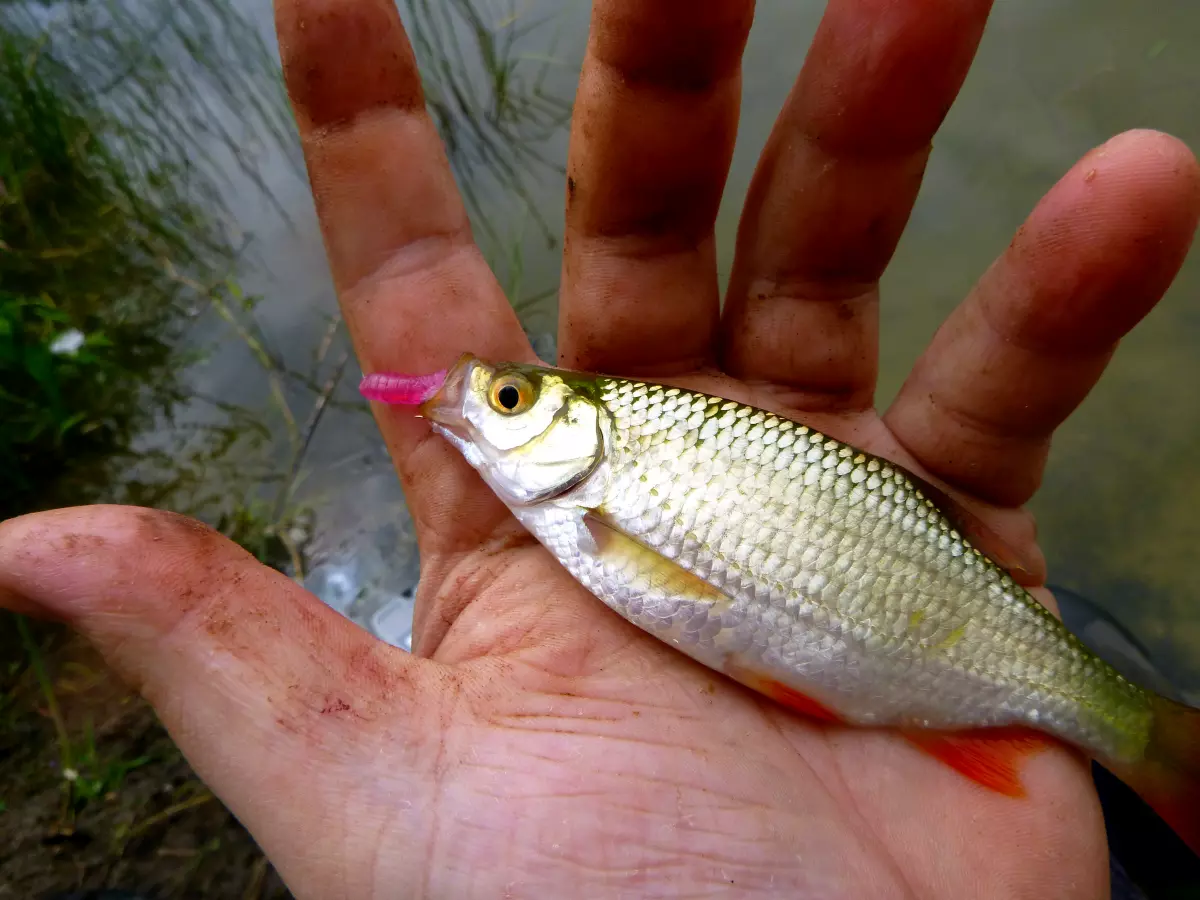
(1053, 79)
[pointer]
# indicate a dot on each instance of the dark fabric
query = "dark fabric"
(1123, 887)
(1148, 860)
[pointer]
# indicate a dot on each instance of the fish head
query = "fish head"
(533, 433)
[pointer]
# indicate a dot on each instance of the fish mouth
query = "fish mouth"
(445, 407)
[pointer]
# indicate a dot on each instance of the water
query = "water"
(1053, 78)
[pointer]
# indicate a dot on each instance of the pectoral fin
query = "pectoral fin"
(646, 569)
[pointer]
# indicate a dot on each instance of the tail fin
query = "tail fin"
(1168, 778)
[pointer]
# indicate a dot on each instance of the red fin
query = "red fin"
(795, 700)
(1169, 777)
(798, 702)
(989, 757)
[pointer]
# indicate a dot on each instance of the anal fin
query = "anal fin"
(990, 757)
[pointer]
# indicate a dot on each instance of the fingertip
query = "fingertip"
(1173, 156)
(882, 74)
(80, 564)
(1013, 361)
(12, 598)
(257, 682)
(1101, 248)
(170, 602)
(1138, 171)
(32, 548)
(343, 59)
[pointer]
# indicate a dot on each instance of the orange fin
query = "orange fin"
(989, 757)
(796, 701)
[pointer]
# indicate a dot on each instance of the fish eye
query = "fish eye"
(511, 394)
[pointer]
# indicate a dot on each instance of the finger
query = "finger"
(261, 686)
(833, 191)
(1035, 334)
(652, 137)
(414, 288)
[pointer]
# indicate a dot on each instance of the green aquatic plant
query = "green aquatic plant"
(122, 125)
(87, 320)
(493, 103)
(105, 199)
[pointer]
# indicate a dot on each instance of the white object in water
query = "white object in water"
(392, 622)
(67, 343)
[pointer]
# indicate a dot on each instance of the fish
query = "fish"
(830, 580)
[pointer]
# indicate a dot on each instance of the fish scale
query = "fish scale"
(814, 573)
(829, 555)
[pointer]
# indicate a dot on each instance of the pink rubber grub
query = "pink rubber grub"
(401, 390)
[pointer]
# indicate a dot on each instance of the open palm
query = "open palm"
(543, 747)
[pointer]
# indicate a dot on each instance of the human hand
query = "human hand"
(535, 745)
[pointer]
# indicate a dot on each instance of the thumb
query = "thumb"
(280, 704)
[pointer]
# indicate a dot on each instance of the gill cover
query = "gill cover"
(530, 434)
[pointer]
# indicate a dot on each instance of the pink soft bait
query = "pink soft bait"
(401, 390)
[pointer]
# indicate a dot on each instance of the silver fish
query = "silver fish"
(819, 575)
